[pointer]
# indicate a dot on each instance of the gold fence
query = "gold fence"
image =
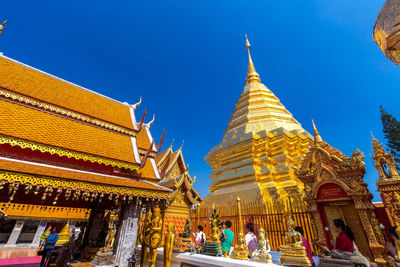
(269, 215)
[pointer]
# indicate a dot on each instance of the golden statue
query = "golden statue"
(155, 238)
(293, 253)
(111, 237)
(2, 26)
(145, 237)
(262, 253)
(240, 251)
(168, 244)
(212, 246)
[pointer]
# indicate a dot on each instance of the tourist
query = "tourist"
(345, 239)
(49, 246)
(306, 245)
(229, 236)
(44, 236)
(201, 236)
(251, 238)
(222, 236)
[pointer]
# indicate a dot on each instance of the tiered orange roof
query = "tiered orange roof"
(45, 128)
(34, 83)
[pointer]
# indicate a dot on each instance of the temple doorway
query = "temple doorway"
(346, 211)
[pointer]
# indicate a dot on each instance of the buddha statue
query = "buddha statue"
(262, 253)
(293, 253)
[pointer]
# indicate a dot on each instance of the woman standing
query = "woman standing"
(345, 239)
(49, 246)
(251, 238)
(229, 236)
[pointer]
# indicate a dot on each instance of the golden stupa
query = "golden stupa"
(262, 144)
(63, 236)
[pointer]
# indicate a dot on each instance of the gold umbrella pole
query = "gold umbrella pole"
(240, 251)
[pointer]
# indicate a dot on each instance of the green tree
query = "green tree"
(391, 129)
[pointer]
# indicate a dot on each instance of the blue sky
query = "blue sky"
(188, 62)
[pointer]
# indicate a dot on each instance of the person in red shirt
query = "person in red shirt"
(345, 239)
(306, 245)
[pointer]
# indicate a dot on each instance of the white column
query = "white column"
(12, 239)
(127, 234)
(38, 234)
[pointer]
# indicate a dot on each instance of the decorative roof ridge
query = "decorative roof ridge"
(22, 143)
(68, 169)
(171, 165)
(157, 185)
(60, 79)
(44, 181)
(65, 112)
(168, 151)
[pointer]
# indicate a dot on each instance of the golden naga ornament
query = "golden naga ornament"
(168, 245)
(293, 253)
(240, 251)
(262, 253)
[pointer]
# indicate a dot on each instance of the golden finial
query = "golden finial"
(373, 137)
(172, 143)
(2, 26)
(317, 137)
(134, 106)
(183, 141)
(151, 122)
(252, 75)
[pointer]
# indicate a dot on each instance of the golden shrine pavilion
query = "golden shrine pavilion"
(68, 153)
(175, 176)
(262, 143)
(388, 182)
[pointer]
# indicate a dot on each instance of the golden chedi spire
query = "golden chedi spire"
(63, 236)
(252, 75)
(245, 162)
(317, 137)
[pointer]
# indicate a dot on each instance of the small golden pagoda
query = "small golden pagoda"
(63, 236)
(262, 143)
(389, 181)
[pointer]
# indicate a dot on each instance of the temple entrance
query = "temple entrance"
(346, 211)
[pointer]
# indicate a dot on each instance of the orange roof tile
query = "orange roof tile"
(142, 138)
(16, 166)
(30, 82)
(41, 127)
(147, 171)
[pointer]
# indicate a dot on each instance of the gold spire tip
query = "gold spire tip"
(317, 137)
(248, 46)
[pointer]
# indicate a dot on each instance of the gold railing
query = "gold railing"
(271, 216)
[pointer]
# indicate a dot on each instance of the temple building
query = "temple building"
(175, 176)
(68, 153)
(335, 189)
(260, 147)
